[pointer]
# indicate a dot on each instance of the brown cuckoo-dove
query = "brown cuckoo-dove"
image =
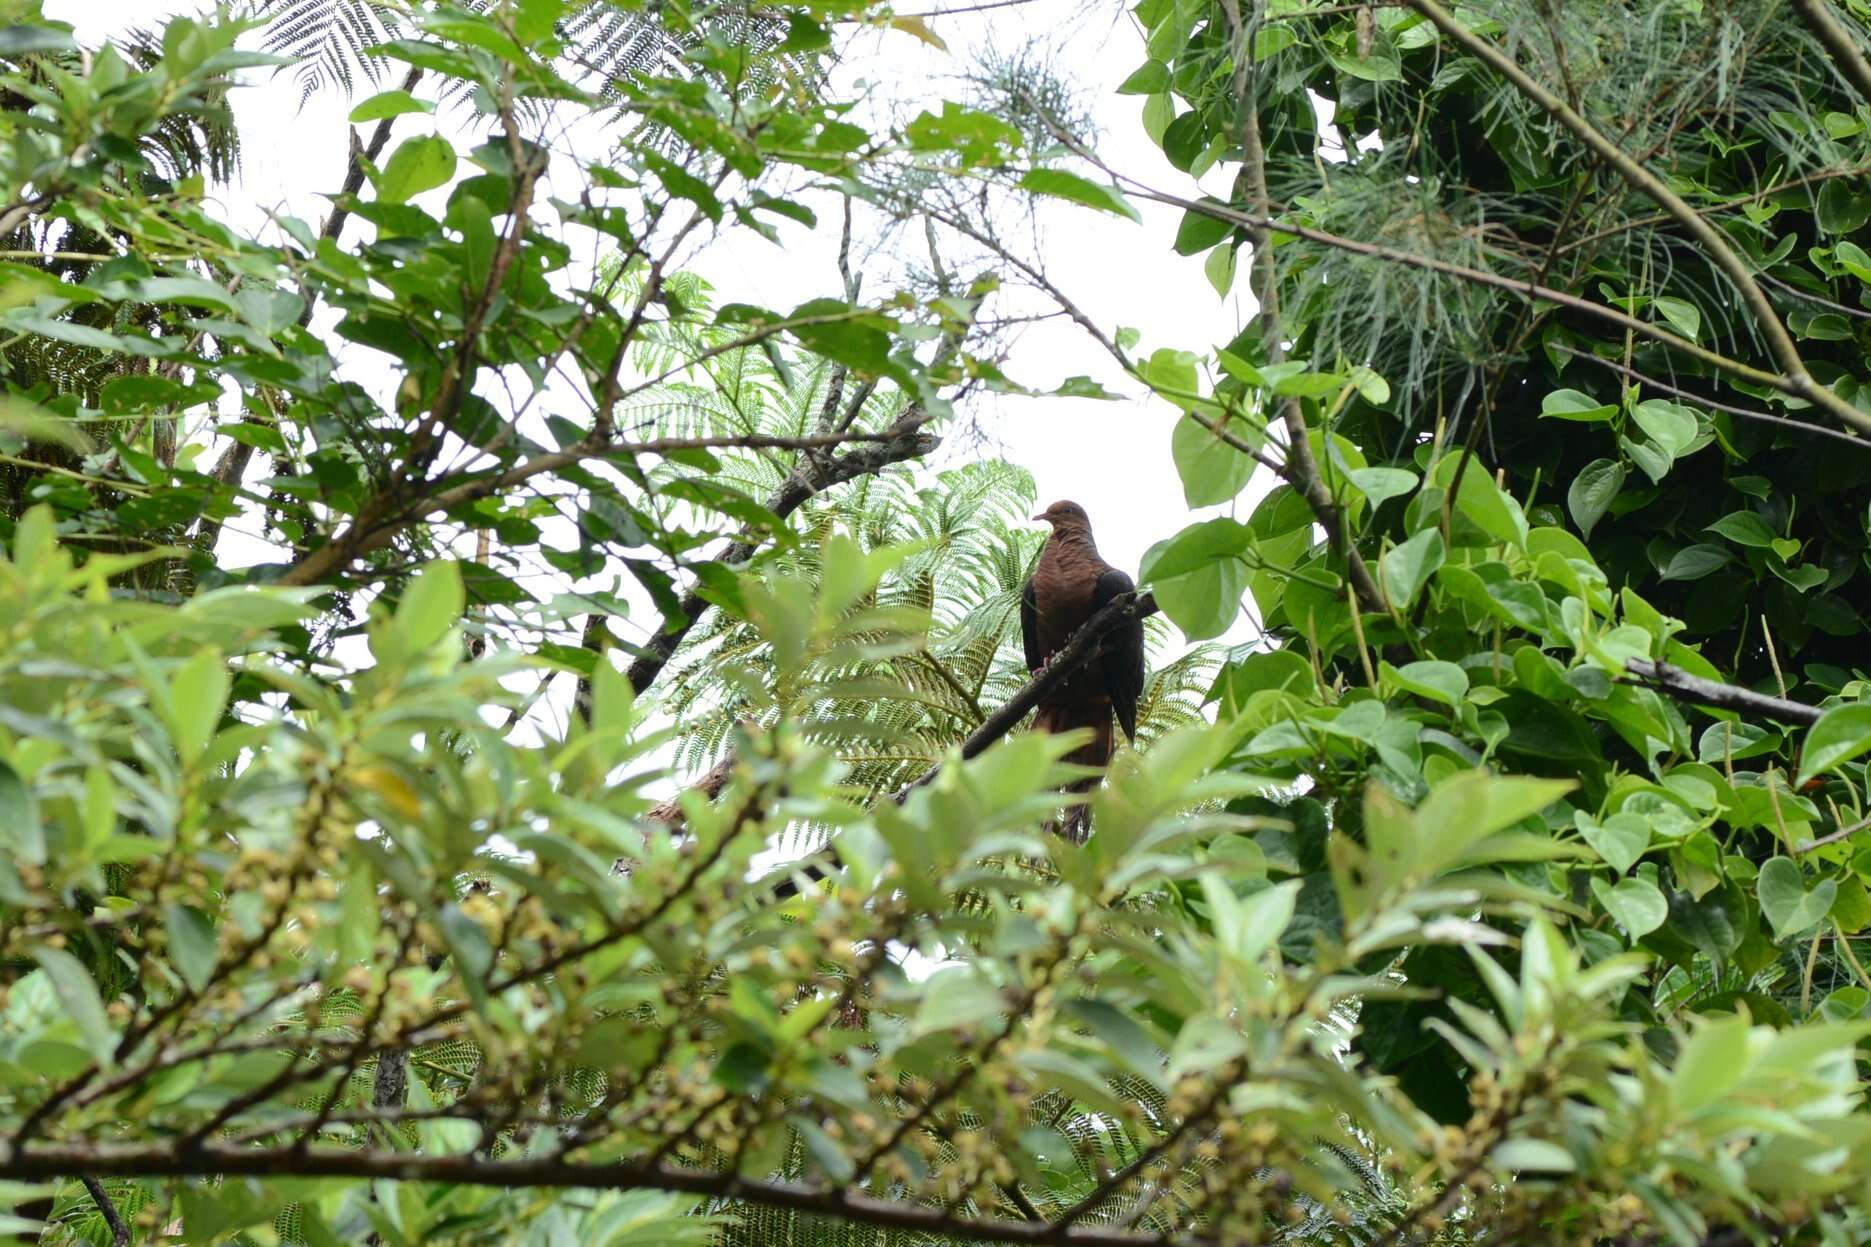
(1070, 583)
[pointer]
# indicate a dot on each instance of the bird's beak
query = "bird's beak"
(1040, 518)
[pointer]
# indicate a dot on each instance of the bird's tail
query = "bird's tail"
(1076, 824)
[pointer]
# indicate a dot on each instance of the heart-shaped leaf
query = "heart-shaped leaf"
(1787, 904)
(1620, 839)
(1404, 570)
(1592, 492)
(1636, 904)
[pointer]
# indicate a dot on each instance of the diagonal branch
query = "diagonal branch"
(1524, 287)
(1745, 413)
(1085, 644)
(906, 439)
(1683, 686)
(1714, 243)
(1846, 55)
(119, 1231)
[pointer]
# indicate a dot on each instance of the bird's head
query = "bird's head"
(1065, 515)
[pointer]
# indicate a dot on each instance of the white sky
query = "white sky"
(1112, 457)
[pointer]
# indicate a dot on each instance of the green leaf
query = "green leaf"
(846, 334)
(1671, 426)
(77, 991)
(431, 605)
(1405, 569)
(1379, 484)
(477, 241)
(1059, 184)
(1438, 681)
(1695, 562)
(1219, 269)
(1572, 405)
(20, 829)
(1710, 1064)
(192, 945)
(1484, 503)
(197, 696)
(1172, 374)
(1744, 528)
(1620, 840)
(1532, 1154)
(1200, 230)
(536, 19)
(1635, 903)
(142, 392)
(1371, 386)
(1592, 492)
(1212, 471)
(386, 104)
(1198, 576)
(1652, 459)
(1842, 733)
(956, 997)
(1854, 258)
(1785, 901)
(25, 38)
(1683, 315)
(1842, 210)
(419, 164)
(467, 940)
(1150, 78)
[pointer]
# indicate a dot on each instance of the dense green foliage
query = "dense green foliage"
(1507, 890)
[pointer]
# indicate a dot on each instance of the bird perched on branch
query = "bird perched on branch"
(1069, 585)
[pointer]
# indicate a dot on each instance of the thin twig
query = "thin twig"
(1745, 413)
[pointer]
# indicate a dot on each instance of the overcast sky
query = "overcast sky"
(1113, 457)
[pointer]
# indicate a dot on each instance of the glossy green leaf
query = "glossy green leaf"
(1591, 493)
(1842, 733)
(1405, 569)
(1572, 405)
(1787, 903)
(1059, 184)
(386, 104)
(1635, 904)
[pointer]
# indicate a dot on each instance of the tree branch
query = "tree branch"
(1084, 645)
(1693, 688)
(354, 172)
(1779, 342)
(1847, 58)
(214, 1159)
(906, 439)
(1744, 413)
(1524, 287)
(1302, 469)
(119, 1232)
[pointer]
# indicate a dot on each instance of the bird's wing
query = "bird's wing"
(1123, 652)
(1029, 627)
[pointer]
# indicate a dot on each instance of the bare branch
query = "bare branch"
(119, 1232)
(1693, 688)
